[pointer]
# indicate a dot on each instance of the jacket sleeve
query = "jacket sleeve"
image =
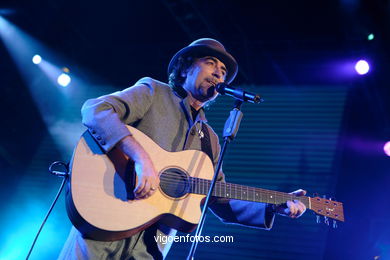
(247, 213)
(251, 214)
(107, 116)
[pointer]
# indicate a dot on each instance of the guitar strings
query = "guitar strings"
(201, 186)
(199, 181)
(205, 185)
(198, 185)
(172, 179)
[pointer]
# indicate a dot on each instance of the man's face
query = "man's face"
(202, 77)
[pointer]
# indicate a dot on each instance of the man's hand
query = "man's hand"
(292, 209)
(147, 177)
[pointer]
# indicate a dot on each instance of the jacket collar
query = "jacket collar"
(187, 110)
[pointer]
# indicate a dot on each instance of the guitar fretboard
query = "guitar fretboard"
(241, 192)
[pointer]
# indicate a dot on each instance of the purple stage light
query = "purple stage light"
(386, 148)
(362, 67)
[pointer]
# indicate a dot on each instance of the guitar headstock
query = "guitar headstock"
(328, 208)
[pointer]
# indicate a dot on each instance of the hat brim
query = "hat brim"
(199, 51)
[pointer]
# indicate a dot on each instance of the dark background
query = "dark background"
(282, 47)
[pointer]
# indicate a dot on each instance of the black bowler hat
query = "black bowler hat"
(208, 47)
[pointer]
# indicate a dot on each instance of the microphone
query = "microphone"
(237, 93)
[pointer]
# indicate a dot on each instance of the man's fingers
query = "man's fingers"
(291, 208)
(295, 208)
(299, 192)
(148, 188)
(301, 208)
(156, 183)
(140, 186)
(145, 190)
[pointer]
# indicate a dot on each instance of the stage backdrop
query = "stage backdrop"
(286, 143)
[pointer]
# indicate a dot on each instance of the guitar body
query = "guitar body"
(100, 201)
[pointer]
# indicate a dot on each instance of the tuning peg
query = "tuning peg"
(315, 194)
(334, 224)
(318, 219)
(326, 220)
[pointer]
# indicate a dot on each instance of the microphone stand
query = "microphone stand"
(64, 175)
(229, 132)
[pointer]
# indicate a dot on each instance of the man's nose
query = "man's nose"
(217, 73)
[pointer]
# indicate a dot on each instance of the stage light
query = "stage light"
(64, 80)
(36, 59)
(386, 148)
(370, 37)
(362, 67)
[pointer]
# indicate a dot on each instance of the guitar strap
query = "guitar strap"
(205, 142)
(205, 137)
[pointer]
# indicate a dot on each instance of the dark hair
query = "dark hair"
(176, 80)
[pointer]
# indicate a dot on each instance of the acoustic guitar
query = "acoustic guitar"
(101, 205)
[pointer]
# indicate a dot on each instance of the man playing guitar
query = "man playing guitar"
(172, 116)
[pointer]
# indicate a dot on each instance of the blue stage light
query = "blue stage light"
(64, 80)
(36, 59)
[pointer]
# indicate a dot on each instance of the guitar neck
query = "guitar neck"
(241, 192)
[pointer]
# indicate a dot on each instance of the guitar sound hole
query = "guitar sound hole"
(174, 182)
